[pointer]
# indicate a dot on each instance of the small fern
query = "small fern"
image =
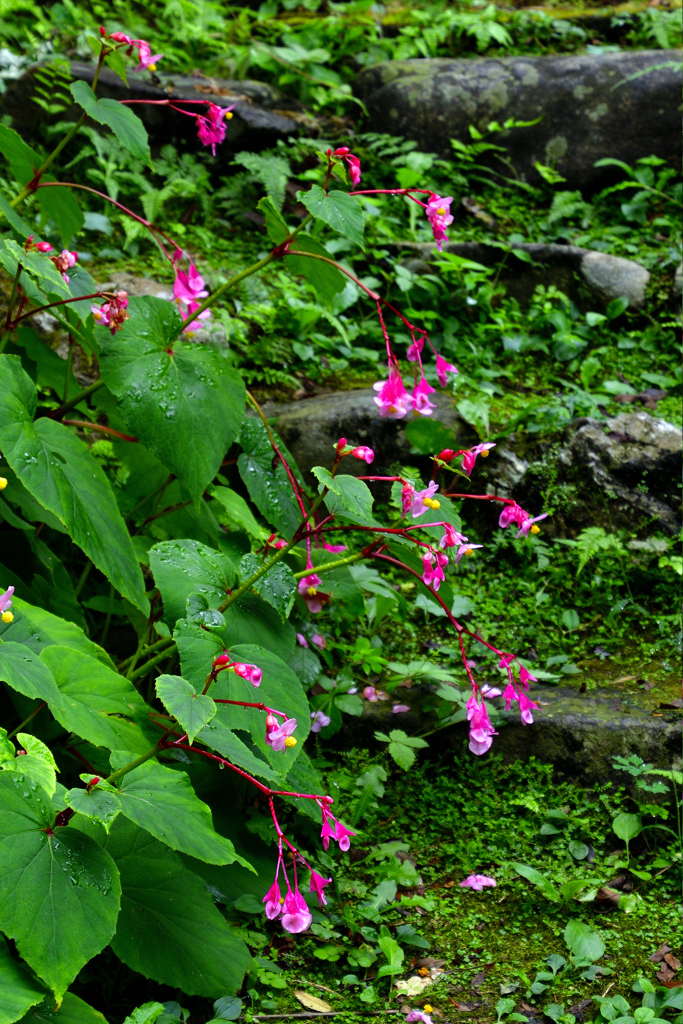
(594, 540)
(272, 171)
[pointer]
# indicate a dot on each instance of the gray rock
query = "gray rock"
(310, 428)
(578, 733)
(589, 107)
(678, 281)
(256, 121)
(624, 472)
(608, 277)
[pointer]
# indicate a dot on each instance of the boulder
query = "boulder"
(579, 733)
(624, 472)
(258, 120)
(608, 277)
(623, 105)
(311, 427)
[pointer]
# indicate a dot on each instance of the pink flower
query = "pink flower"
(442, 368)
(296, 916)
(343, 835)
(119, 37)
(338, 832)
(352, 161)
(421, 403)
(512, 513)
(363, 452)
(319, 721)
(314, 598)
(5, 605)
(277, 738)
(465, 549)
(525, 677)
(188, 287)
(318, 883)
(398, 709)
(43, 247)
(112, 314)
(65, 261)
(433, 576)
(424, 499)
(210, 127)
(528, 526)
(334, 548)
(481, 729)
(301, 640)
(371, 694)
(438, 212)
(319, 640)
(273, 900)
(407, 498)
(470, 457)
(526, 706)
(393, 400)
(477, 882)
(252, 673)
(418, 1015)
(147, 59)
(490, 691)
(451, 538)
(415, 349)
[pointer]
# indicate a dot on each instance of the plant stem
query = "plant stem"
(73, 402)
(85, 425)
(115, 776)
(326, 566)
(83, 577)
(107, 621)
(26, 720)
(144, 669)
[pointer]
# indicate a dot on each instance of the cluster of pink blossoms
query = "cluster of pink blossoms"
(63, 261)
(252, 673)
(112, 313)
(394, 401)
(188, 289)
(147, 59)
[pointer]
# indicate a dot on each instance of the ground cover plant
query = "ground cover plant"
(158, 597)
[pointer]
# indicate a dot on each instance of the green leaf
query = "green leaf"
(115, 61)
(32, 745)
(197, 649)
(102, 803)
(583, 941)
(11, 214)
(219, 737)
(277, 587)
(539, 880)
(326, 278)
(250, 620)
(35, 629)
(35, 264)
(193, 710)
(35, 770)
(570, 889)
(60, 205)
(394, 954)
(163, 802)
(169, 929)
(279, 689)
(97, 702)
(24, 672)
(72, 1011)
(126, 126)
(406, 933)
(275, 224)
(59, 892)
(183, 401)
(62, 475)
(239, 512)
(266, 478)
(184, 567)
(579, 851)
(19, 990)
(627, 826)
(341, 211)
(23, 161)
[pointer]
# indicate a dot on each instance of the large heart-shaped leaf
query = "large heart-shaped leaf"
(266, 478)
(191, 709)
(59, 890)
(18, 988)
(182, 400)
(184, 567)
(35, 628)
(169, 929)
(62, 475)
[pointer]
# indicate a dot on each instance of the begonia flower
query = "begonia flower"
(421, 402)
(363, 452)
(319, 640)
(343, 836)
(451, 538)
(415, 350)
(481, 730)
(512, 513)
(424, 499)
(418, 1015)
(281, 736)
(43, 247)
(465, 549)
(334, 548)
(433, 576)
(393, 400)
(407, 498)
(211, 126)
(442, 368)
(438, 211)
(6, 604)
(490, 691)
(301, 640)
(252, 673)
(526, 706)
(65, 261)
(338, 832)
(273, 901)
(318, 883)
(112, 314)
(525, 677)
(296, 917)
(529, 525)
(147, 59)
(319, 721)
(477, 882)
(352, 161)
(470, 457)
(314, 598)
(398, 709)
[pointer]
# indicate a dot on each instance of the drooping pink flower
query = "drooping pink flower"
(273, 900)
(421, 402)
(470, 457)
(477, 882)
(528, 526)
(65, 261)
(314, 598)
(343, 836)
(490, 691)
(525, 677)
(188, 287)
(433, 575)
(319, 640)
(392, 400)
(301, 640)
(334, 548)
(112, 314)
(363, 452)
(512, 513)
(277, 738)
(318, 883)
(296, 916)
(352, 161)
(319, 720)
(5, 605)
(252, 673)
(442, 368)
(424, 499)
(438, 211)
(465, 549)
(526, 706)
(147, 59)
(407, 498)
(481, 730)
(211, 126)
(336, 831)
(415, 349)
(451, 538)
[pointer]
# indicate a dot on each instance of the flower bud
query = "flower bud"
(446, 455)
(341, 444)
(221, 660)
(342, 151)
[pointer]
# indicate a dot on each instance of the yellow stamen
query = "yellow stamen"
(392, 409)
(535, 529)
(469, 551)
(151, 67)
(290, 741)
(485, 453)
(431, 503)
(441, 211)
(3, 483)
(427, 1008)
(312, 591)
(7, 617)
(228, 116)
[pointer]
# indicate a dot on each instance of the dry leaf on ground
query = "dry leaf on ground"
(312, 1002)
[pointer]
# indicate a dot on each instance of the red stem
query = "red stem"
(51, 305)
(98, 426)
